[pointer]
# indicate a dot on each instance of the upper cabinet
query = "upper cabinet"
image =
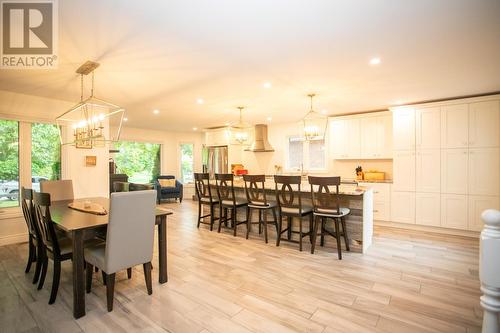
(362, 136)
(484, 120)
(428, 128)
(403, 128)
(455, 126)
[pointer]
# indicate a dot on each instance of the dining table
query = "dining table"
(81, 226)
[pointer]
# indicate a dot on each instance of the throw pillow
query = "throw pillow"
(167, 182)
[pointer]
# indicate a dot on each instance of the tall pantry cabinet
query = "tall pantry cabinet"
(446, 162)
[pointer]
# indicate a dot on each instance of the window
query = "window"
(187, 162)
(9, 163)
(139, 161)
(45, 154)
(306, 155)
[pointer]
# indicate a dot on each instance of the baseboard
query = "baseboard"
(14, 239)
(438, 230)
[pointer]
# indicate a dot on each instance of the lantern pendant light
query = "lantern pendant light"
(314, 123)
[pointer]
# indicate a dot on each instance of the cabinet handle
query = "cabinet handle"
(376, 192)
(375, 211)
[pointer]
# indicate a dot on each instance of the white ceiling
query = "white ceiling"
(166, 54)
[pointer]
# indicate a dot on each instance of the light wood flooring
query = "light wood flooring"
(409, 281)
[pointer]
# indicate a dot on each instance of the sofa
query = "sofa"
(168, 192)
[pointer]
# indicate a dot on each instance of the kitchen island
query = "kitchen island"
(357, 198)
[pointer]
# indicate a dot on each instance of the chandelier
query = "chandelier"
(314, 123)
(240, 130)
(88, 124)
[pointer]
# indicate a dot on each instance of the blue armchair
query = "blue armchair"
(168, 192)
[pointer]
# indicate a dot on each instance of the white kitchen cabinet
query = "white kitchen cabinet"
(428, 209)
(454, 171)
(403, 207)
(345, 134)
(454, 211)
(484, 120)
(428, 170)
(484, 171)
(428, 128)
(403, 128)
(381, 200)
(404, 172)
(455, 126)
(376, 137)
(478, 204)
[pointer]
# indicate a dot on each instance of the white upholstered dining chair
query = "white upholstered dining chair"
(58, 189)
(129, 239)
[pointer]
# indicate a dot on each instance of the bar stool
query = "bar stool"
(326, 204)
(204, 194)
(289, 199)
(256, 196)
(228, 201)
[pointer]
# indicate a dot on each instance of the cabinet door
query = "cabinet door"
(369, 137)
(338, 138)
(428, 132)
(403, 124)
(454, 211)
(384, 137)
(478, 204)
(403, 207)
(382, 210)
(484, 169)
(484, 124)
(454, 171)
(427, 211)
(455, 126)
(353, 144)
(428, 170)
(404, 171)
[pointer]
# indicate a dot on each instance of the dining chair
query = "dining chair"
(35, 244)
(256, 195)
(55, 248)
(129, 240)
(58, 189)
(290, 205)
(326, 205)
(228, 201)
(204, 195)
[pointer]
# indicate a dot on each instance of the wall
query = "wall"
(264, 162)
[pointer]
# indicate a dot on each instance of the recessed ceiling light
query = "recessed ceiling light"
(269, 118)
(125, 119)
(324, 111)
(227, 124)
(156, 111)
(195, 128)
(267, 85)
(375, 61)
(200, 101)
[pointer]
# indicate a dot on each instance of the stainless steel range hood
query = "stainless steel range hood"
(260, 143)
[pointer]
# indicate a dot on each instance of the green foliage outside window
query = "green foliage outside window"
(140, 161)
(45, 151)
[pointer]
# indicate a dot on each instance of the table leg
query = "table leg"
(162, 248)
(78, 276)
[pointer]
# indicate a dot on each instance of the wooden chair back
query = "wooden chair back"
(202, 186)
(325, 194)
(41, 202)
(29, 211)
(255, 189)
(288, 193)
(225, 187)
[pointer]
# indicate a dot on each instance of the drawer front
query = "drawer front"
(381, 191)
(381, 211)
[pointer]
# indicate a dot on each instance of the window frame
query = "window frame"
(179, 160)
(305, 156)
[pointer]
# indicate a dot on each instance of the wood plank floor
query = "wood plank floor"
(409, 281)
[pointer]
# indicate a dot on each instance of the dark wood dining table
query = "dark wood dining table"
(82, 226)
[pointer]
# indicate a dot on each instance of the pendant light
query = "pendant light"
(314, 123)
(241, 129)
(91, 119)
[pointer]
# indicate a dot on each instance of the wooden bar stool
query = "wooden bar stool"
(204, 194)
(289, 199)
(256, 196)
(228, 201)
(326, 204)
